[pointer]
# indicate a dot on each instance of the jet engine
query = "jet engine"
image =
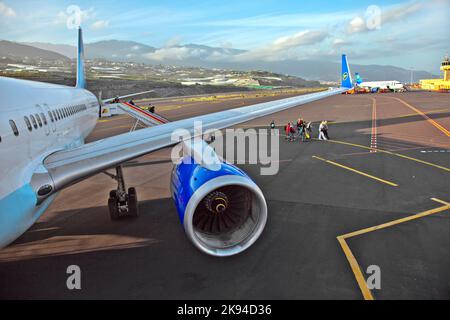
(222, 210)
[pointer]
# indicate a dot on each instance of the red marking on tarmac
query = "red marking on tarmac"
(373, 138)
(143, 112)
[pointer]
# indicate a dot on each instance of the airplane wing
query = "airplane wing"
(148, 118)
(67, 167)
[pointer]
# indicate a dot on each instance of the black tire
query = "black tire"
(133, 208)
(113, 210)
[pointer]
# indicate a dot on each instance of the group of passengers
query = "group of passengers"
(303, 130)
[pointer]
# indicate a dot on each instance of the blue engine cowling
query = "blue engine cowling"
(222, 210)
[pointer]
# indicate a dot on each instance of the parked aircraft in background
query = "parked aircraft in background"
(374, 86)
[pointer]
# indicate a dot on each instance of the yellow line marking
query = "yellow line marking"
(356, 269)
(357, 171)
(441, 201)
(437, 111)
(351, 258)
(431, 121)
(427, 113)
(395, 222)
(391, 153)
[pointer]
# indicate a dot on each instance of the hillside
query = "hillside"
(20, 52)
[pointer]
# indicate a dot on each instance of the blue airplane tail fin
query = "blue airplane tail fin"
(358, 78)
(81, 79)
(346, 76)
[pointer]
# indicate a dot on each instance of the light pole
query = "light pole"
(411, 76)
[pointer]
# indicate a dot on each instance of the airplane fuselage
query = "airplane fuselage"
(36, 119)
(392, 84)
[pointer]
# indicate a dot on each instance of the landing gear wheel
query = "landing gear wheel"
(133, 209)
(122, 203)
(112, 205)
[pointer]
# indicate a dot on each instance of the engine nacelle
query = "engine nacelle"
(222, 210)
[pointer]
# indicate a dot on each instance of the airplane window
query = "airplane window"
(34, 121)
(44, 118)
(38, 120)
(14, 127)
(51, 116)
(28, 123)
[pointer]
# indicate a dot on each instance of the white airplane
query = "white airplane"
(42, 151)
(378, 85)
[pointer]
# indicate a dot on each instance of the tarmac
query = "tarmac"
(376, 194)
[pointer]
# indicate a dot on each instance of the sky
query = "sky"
(409, 34)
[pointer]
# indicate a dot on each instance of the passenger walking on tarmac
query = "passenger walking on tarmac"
(323, 131)
(301, 128)
(292, 133)
(289, 130)
(308, 130)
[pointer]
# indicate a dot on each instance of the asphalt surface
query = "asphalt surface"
(322, 190)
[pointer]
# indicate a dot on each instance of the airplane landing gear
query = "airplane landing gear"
(120, 202)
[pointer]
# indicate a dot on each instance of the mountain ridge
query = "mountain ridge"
(202, 56)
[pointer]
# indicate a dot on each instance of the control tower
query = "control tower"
(439, 84)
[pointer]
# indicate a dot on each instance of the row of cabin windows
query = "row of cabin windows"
(39, 119)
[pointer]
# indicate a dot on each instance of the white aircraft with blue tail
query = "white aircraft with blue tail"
(42, 151)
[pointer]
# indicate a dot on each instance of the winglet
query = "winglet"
(346, 76)
(81, 80)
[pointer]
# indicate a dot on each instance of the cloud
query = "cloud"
(375, 17)
(357, 24)
(63, 16)
(6, 11)
(283, 47)
(338, 43)
(99, 24)
(173, 42)
(279, 49)
(298, 39)
(177, 54)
